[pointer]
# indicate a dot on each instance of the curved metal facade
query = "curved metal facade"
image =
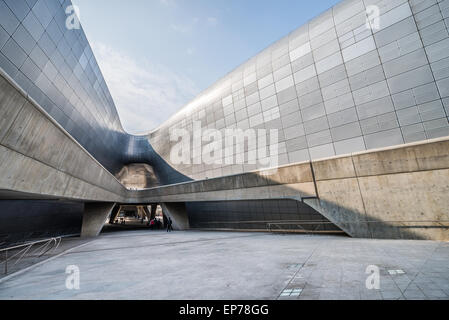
(334, 86)
(331, 87)
(57, 68)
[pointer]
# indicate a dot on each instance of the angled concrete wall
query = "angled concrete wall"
(27, 219)
(289, 182)
(39, 157)
(393, 193)
(178, 214)
(94, 218)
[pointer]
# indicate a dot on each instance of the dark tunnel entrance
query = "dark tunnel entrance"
(135, 217)
(271, 215)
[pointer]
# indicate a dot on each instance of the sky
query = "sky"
(157, 55)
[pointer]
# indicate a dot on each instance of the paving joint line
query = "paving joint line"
(162, 244)
(296, 273)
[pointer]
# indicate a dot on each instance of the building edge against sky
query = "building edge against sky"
(331, 87)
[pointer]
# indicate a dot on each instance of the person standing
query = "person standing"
(169, 225)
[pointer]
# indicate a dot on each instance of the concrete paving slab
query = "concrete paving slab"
(196, 265)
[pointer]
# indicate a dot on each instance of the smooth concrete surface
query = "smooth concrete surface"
(391, 193)
(289, 182)
(212, 265)
(395, 193)
(178, 214)
(153, 212)
(94, 218)
(26, 220)
(115, 212)
(39, 157)
(147, 213)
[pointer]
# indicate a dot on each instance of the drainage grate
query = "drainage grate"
(295, 292)
(395, 272)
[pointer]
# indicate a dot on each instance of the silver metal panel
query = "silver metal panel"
(330, 87)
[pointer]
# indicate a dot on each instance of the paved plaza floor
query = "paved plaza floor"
(230, 265)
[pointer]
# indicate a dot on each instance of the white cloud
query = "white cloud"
(212, 21)
(145, 94)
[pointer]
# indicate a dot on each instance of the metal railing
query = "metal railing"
(315, 225)
(20, 252)
(299, 226)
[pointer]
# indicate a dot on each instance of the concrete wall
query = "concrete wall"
(178, 214)
(393, 193)
(258, 215)
(137, 176)
(39, 157)
(27, 219)
(94, 218)
(396, 192)
(40, 160)
(289, 182)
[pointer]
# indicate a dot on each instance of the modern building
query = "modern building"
(364, 75)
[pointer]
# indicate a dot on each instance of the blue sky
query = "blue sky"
(157, 55)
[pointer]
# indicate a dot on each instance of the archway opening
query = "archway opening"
(135, 217)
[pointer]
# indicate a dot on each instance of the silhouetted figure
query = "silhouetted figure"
(169, 225)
